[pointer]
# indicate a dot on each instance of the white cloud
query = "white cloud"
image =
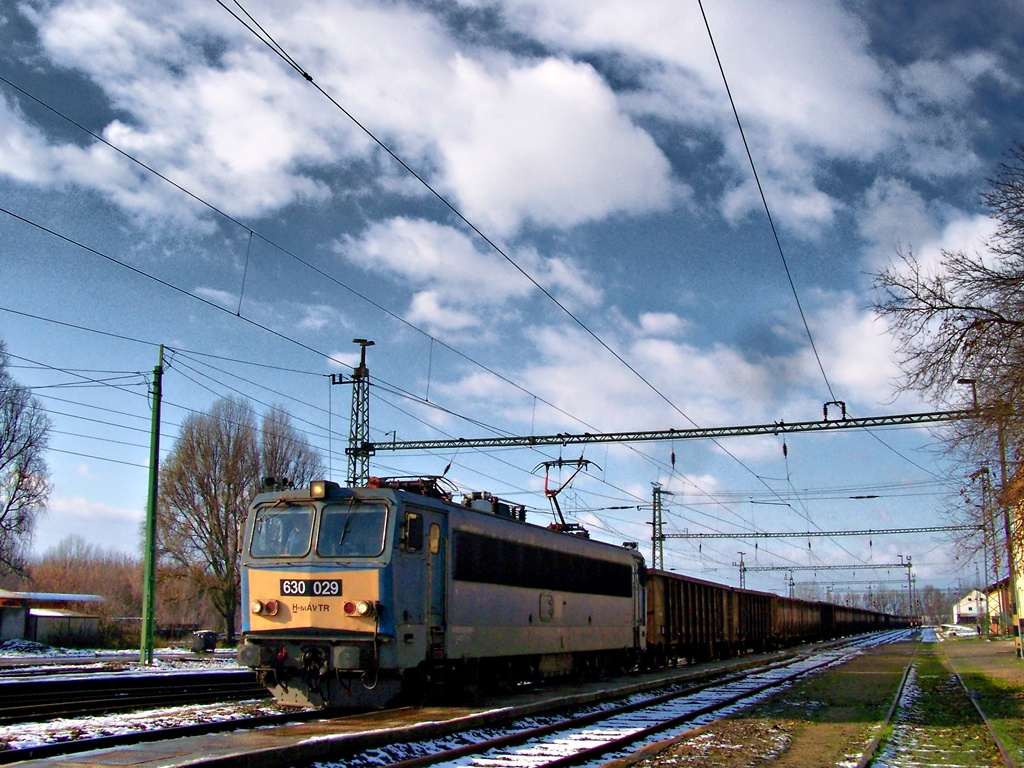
(539, 140)
(457, 284)
(661, 323)
(857, 353)
(343, 360)
(894, 217)
(218, 297)
(961, 233)
(806, 81)
(427, 309)
(235, 131)
(548, 142)
(22, 147)
(571, 371)
(96, 522)
(319, 316)
(511, 140)
(712, 386)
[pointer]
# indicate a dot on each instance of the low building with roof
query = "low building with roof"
(970, 608)
(48, 617)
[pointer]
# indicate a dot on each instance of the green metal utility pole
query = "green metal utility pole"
(149, 585)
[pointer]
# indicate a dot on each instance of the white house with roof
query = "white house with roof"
(971, 608)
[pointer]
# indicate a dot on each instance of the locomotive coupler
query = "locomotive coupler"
(314, 664)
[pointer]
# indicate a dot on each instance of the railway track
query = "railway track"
(34, 700)
(936, 720)
(527, 730)
(81, 744)
(606, 732)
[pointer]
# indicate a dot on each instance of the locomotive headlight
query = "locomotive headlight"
(358, 608)
(256, 606)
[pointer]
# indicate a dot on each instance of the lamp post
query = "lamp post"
(983, 474)
(1008, 528)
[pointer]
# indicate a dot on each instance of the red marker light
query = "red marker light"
(358, 608)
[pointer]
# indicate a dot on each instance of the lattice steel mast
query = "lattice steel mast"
(360, 449)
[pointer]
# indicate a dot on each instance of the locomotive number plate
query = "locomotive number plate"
(310, 587)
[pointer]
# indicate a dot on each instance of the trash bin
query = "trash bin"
(204, 640)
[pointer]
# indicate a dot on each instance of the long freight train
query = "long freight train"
(357, 596)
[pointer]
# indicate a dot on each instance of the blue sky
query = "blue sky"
(594, 145)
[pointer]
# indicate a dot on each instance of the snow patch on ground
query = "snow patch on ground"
(36, 657)
(27, 651)
(26, 735)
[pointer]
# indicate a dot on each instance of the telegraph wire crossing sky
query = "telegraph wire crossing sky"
(166, 179)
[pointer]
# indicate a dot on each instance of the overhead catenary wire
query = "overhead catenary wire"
(775, 233)
(261, 34)
(282, 249)
(261, 365)
(304, 262)
(228, 373)
(287, 252)
(764, 200)
(175, 362)
(190, 352)
(419, 400)
(240, 306)
(251, 233)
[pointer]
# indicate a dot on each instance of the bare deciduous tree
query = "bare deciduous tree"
(206, 486)
(959, 328)
(77, 567)
(285, 453)
(24, 478)
(965, 319)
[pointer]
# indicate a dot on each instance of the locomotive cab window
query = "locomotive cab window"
(352, 530)
(412, 532)
(282, 532)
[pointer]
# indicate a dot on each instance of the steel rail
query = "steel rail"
(1004, 753)
(57, 749)
(35, 700)
(876, 742)
(657, 725)
(519, 737)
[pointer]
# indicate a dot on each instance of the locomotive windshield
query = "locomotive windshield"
(351, 530)
(282, 531)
